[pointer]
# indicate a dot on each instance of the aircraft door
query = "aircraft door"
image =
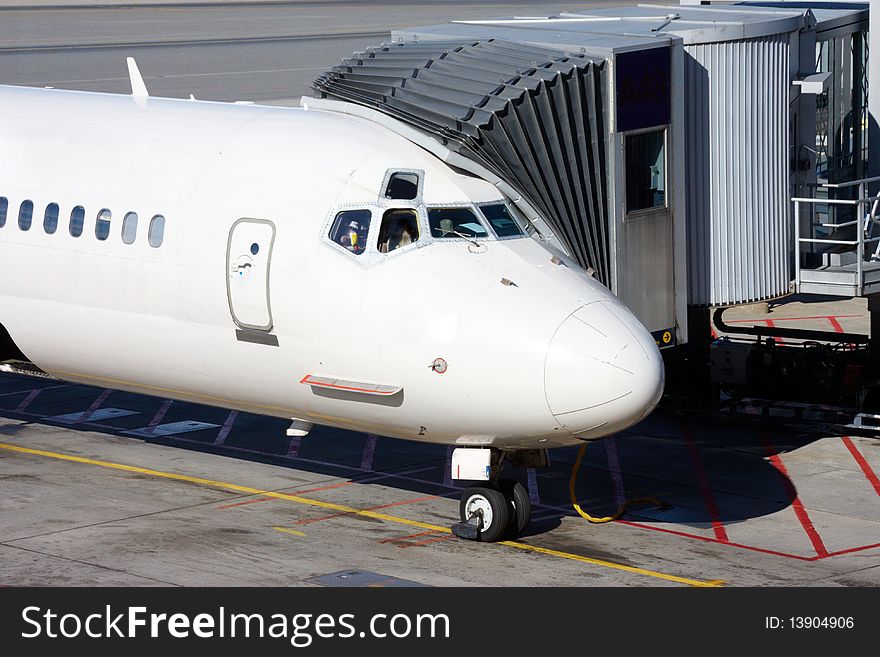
(248, 258)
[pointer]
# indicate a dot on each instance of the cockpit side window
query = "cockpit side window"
(455, 222)
(399, 228)
(402, 185)
(501, 220)
(350, 228)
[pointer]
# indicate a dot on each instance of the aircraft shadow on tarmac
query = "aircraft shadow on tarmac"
(704, 470)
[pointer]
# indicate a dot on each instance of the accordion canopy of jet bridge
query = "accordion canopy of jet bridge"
(532, 116)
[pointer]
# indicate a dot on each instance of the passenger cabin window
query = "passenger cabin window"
(50, 219)
(77, 220)
(350, 228)
(156, 234)
(500, 219)
(399, 228)
(26, 215)
(402, 185)
(645, 171)
(455, 222)
(129, 227)
(102, 224)
(4, 206)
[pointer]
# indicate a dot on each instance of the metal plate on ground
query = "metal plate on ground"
(94, 416)
(170, 429)
(358, 578)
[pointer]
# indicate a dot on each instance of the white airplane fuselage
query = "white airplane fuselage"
(537, 354)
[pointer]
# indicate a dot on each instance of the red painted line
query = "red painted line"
(21, 392)
(714, 333)
(308, 521)
(799, 510)
(770, 324)
(159, 416)
(863, 464)
(615, 470)
(369, 452)
(403, 538)
(855, 549)
(293, 448)
(786, 319)
(703, 479)
(706, 539)
(835, 324)
(445, 537)
(226, 429)
(259, 499)
(32, 395)
(95, 406)
(315, 490)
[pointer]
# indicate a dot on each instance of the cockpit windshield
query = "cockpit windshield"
(455, 222)
(500, 219)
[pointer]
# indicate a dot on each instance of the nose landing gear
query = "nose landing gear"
(499, 509)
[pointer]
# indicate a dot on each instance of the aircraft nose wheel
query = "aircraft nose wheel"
(485, 515)
(488, 514)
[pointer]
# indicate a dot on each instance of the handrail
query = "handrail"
(851, 183)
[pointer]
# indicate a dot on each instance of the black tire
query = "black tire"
(520, 504)
(496, 510)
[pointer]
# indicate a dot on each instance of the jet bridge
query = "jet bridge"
(660, 146)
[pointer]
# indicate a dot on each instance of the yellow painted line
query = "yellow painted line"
(340, 508)
(288, 530)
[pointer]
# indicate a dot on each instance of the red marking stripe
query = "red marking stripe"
(307, 521)
(786, 319)
(863, 464)
(835, 324)
(705, 488)
(259, 499)
(799, 510)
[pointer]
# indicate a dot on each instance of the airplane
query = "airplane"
(308, 265)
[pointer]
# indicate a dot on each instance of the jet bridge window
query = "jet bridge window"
(350, 228)
(455, 222)
(102, 224)
(402, 185)
(399, 228)
(26, 215)
(645, 171)
(500, 219)
(4, 206)
(77, 220)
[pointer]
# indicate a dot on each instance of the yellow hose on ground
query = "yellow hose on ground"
(628, 503)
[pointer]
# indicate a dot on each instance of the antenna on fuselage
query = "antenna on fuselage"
(138, 88)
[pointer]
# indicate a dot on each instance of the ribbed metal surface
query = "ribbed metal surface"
(737, 120)
(532, 116)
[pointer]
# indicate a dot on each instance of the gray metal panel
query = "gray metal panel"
(737, 112)
(534, 117)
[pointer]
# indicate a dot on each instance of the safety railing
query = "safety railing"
(865, 225)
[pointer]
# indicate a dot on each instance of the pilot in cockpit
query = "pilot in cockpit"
(399, 230)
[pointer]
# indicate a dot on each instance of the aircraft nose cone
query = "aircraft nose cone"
(603, 371)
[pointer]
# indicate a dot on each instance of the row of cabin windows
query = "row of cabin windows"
(155, 233)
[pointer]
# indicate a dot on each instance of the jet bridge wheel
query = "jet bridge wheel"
(492, 508)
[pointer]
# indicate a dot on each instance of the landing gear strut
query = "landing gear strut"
(498, 509)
